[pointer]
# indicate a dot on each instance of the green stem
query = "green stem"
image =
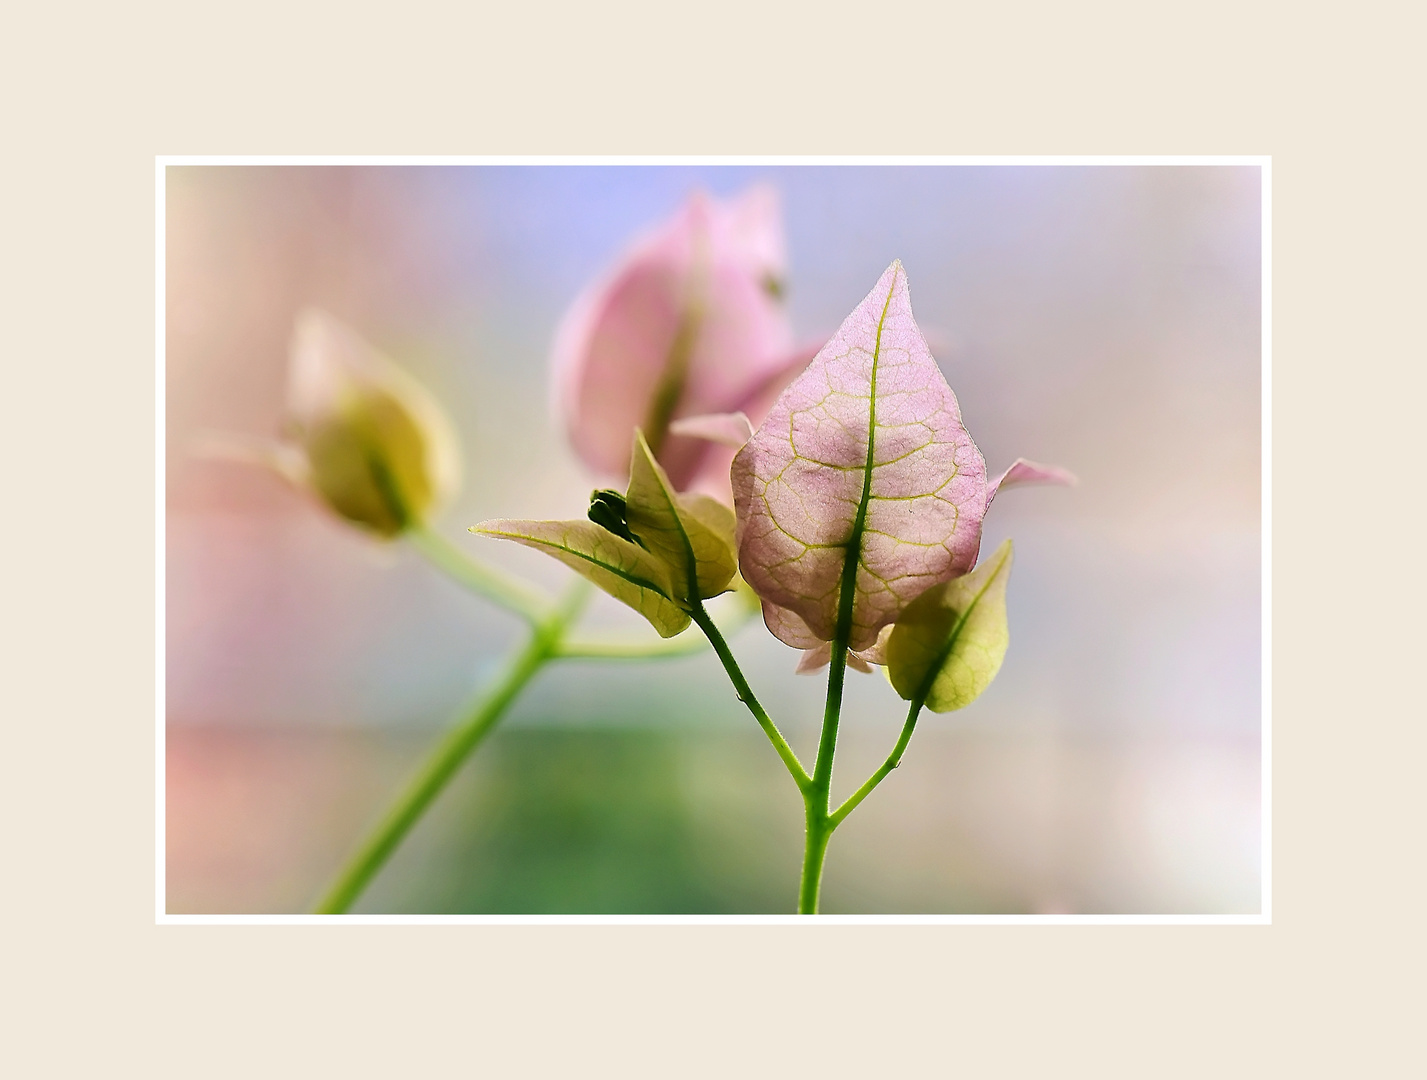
(893, 760)
(832, 716)
(745, 694)
(814, 852)
(817, 795)
(495, 585)
(450, 754)
(613, 649)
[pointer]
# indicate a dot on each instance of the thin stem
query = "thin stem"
(450, 754)
(893, 760)
(745, 694)
(613, 649)
(616, 648)
(497, 586)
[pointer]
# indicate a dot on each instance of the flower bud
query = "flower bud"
(379, 449)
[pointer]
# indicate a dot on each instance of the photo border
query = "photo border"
(1264, 917)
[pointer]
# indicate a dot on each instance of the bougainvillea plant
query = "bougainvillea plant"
(858, 505)
(852, 514)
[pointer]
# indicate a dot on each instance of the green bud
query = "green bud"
(380, 450)
(610, 512)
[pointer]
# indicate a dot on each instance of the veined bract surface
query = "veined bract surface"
(861, 489)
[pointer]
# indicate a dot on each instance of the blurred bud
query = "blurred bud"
(690, 321)
(379, 449)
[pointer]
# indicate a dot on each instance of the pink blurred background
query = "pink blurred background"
(1105, 318)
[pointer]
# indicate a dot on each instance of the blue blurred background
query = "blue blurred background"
(1105, 318)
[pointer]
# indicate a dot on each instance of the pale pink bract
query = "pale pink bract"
(806, 498)
(874, 396)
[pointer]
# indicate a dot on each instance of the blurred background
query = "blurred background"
(1103, 318)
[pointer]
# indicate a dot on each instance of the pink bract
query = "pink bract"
(806, 497)
(688, 322)
(1023, 471)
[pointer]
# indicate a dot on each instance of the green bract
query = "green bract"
(949, 643)
(624, 570)
(692, 534)
(667, 554)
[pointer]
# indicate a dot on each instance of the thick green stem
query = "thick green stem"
(832, 717)
(450, 755)
(814, 852)
(818, 794)
(495, 585)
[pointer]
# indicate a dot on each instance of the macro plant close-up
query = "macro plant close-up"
(724, 449)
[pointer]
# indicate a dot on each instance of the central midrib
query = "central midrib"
(859, 522)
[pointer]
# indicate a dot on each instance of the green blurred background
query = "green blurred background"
(1105, 318)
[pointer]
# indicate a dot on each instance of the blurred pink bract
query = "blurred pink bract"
(688, 322)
